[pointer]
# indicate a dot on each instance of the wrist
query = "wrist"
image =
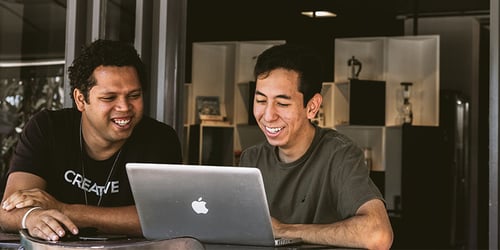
(23, 221)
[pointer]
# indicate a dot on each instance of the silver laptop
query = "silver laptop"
(213, 204)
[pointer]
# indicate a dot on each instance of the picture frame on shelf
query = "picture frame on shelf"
(209, 108)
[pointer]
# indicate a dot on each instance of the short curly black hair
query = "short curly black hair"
(105, 53)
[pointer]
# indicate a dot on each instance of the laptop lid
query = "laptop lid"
(214, 204)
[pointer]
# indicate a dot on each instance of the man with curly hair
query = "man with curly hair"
(68, 169)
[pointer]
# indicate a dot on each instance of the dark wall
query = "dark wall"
(229, 20)
(225, 20)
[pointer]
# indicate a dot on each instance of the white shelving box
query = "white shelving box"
(413, 59)
(394, 60)
(225, 69)
(371, 51)
(213, 68)
(385, 144)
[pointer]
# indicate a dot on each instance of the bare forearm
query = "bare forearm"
(370, 228)
(10, 221)
(115, 220)
(353, 232)
(24, 191)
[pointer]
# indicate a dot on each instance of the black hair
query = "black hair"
(294, 57)
(105, 53)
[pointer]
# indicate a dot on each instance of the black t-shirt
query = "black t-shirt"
(50, 148)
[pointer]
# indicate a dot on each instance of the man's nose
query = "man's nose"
(123, 104)
(270, 113)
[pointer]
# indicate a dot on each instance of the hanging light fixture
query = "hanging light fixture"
(318, 14)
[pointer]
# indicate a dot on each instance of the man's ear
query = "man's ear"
(79, 99)
(313, 105)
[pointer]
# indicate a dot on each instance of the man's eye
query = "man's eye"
(283, 104)
(135, 96)
(260, 101)
(108, 98)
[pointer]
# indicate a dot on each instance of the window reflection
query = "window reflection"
(23, 92)
(32, 29)
(32, 44)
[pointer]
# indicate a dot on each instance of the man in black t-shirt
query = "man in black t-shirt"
(68, 169)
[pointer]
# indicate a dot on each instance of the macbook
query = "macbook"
(213, 204)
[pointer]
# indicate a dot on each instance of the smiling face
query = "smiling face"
(114, 107)
(280, 112)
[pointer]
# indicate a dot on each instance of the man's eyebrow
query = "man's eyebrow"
(259, 93)
(284, 97)
(109, 92)
(278, 96)
(136, 90)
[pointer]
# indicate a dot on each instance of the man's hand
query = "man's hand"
(31, 198)
(24, 191)
(49, 224)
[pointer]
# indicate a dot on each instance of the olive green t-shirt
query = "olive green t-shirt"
(327, 184)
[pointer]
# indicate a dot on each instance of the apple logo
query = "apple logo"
(199, 206)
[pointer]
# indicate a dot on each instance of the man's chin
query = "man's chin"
(122, 135)
(274, 142)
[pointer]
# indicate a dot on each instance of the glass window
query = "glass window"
(120, 20)
(32, 29)
(32, 44)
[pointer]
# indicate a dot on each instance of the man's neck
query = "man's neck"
(98, 148)
(300, 146)
(101, 153)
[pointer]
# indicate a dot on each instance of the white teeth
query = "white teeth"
(273, 130)
(121, 122)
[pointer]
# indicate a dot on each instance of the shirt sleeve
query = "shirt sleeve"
(356, 186)
(30, 153)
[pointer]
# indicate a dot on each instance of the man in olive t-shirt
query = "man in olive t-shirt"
(317, 184)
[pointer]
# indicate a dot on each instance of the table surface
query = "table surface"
(13, 241)
(9, 241)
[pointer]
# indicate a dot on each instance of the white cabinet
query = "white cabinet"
(385, 145)
(224, 69)
(394, 60)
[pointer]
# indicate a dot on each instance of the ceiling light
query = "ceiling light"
(318, 13)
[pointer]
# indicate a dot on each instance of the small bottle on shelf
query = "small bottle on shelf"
(368, 158)
(406, 109)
